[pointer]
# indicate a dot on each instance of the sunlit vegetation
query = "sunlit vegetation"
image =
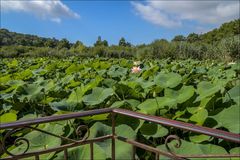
(204, 93)
(221, 44)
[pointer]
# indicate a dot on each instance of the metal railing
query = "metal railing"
(29, 124)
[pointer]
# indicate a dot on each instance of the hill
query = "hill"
(221, 43)
(226, 30)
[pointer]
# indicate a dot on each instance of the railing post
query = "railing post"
(113, 136)
(65, 154)
(157, 156)
(37, 157)
(91, 150)
(134, 152)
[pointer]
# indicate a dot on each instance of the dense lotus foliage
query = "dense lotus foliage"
(205, 93)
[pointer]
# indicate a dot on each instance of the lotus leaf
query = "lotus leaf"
(123, 150)
(233, 94)
(200, 116)
(8, 117)
(189, 148)
(168, 80)
(150, 106)
(207, 89)
(97, 96)
(181, 95)
(229, 118)
(153, 130)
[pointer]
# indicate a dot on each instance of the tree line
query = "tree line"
(221, 43)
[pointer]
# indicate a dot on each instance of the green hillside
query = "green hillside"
(221, 43)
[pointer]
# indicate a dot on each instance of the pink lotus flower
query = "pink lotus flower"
(136, 69)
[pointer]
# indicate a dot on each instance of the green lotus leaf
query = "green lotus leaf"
(97, 96)
(5, 79)
(30, 92)
(62, 106)
(125, 91)
(181, 95)
(73, 103)
(230, 74)
(150, 106)
(13, 84)
(6, 107)
(117, 71)
(76, 96)
(153, 130)
(12, 64)
(48, 85)
(199, 117)
(178, 114)
(206, 102)
(118, 104)
(139, 86)
(24, 75)
(229, 118)
(134, 123)
(39, 71)
(41, 141)
(123, 150)
(66, 80)
(168, 80)
(150, 72)
(8, 117)
(73, 68)
(99, 117)
(73, 84)
(83, 152)
(199, 138)
(235, 150)
(207, 89)
(189, 148)
(133, 102)
(233, 94)
(145, 84)
(129, 103)
(28, 116)
(93, 83)
(109, 82)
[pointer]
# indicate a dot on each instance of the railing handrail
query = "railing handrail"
(228, 136)
(53, 118)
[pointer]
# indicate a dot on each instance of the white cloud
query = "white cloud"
(54, 10)
(174, 13)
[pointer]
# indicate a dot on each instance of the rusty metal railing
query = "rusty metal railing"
(31, 124)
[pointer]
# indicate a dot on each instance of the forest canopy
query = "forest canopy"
(221, 43)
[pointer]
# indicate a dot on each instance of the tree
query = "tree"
(105, 43)
(160, 48)
(64, 43)
(99, 42)
(179, 38)
(123, 43)
(78, 47)
(193, 37)
(50, 43)
(128, 44)
(77, 44)
(22, 42)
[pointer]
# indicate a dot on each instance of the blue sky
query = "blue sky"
(138, 21)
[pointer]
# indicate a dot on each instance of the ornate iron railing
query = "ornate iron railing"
(32, 124)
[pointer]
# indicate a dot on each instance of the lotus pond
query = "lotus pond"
(205, 93)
